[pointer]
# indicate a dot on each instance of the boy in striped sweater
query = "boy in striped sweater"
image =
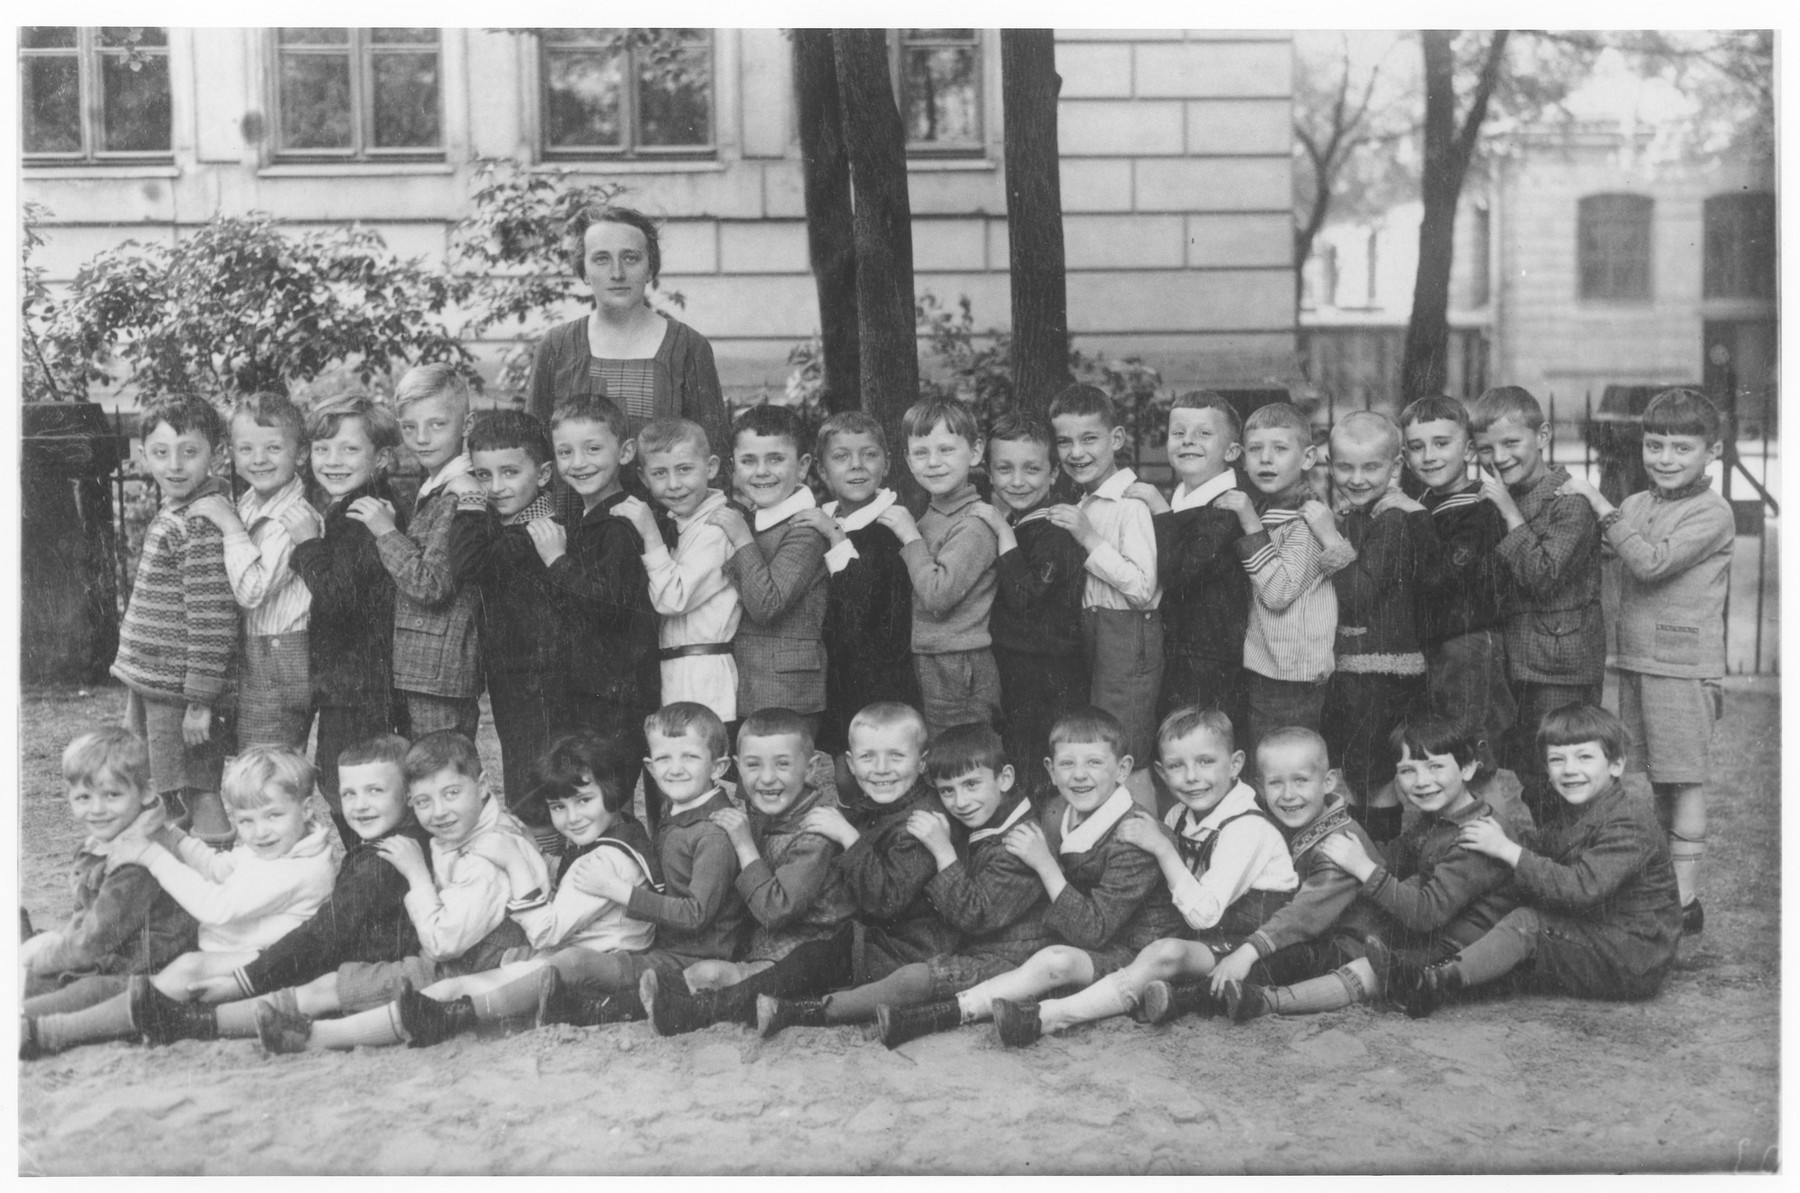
(1290, 546)
(181, 623)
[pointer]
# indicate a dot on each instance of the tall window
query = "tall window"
(358, 93)
(1614, 246)
(1740, 246)
(627, 92)
(96, 94)
(937, 73)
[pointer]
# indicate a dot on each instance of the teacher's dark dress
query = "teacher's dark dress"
(684, 381)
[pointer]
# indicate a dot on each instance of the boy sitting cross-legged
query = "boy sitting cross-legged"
(989, 895)
(789, 879)
(1103, 892)
(1227, 869)
(1600, 914)
(277, 875)
(457, 903)
(124, 923)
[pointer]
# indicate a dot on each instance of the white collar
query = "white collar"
(251, 508)
(454, 466)
(1113, 487)
(712, 501)
(1241, 798)
(775, 515)
(994, 830)
(857, 519)
(1187, 499)
(1087, 834)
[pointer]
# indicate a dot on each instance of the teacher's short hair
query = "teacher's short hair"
(575, 236)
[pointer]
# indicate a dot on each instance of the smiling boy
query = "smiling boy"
(1555, 638)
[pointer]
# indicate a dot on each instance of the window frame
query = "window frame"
(1762, 285)
(88, 54)
(361, 50)
(630, 149)
(897, 45)
(1634, 202)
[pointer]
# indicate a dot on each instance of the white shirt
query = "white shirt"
(1087, 834)
(840, 555)
(1122, 567)
(1250, 855)
(273, 597)
(781, 511)
(1188, 499)
(697, 605)
(244, 902)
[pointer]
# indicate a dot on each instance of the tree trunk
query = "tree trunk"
(1029, 86)
(886, 314)
(830, 234)
(1425, 366)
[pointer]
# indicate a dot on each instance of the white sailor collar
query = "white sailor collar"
(994, 830)
(775, 515)
(857, 519)
(1087, 834)
(713, 500)
(1240, 799)
(1113, 487)
(1187, 499)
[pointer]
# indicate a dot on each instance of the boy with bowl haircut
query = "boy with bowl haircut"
(697, 606)
(868, 604)
(796, 894)
(350, 634)
(180, 628)
(1600, 913)
(779, 570)
(437, 677)
(1036, 617)
(1103, 892)
(524, 643)
(984, 892)
(1674, 540)
(268, 437)
(1121, 625)
(1458, 598)
(1226, 866)
(596, 568)
(949, 556)
(1379, 678)
(1550, 556)
(1290, 546)
(1206, 592)
(123, 922)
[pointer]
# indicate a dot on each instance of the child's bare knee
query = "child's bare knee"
(1162, 959)
(1059, 964)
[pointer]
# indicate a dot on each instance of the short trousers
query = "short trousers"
(959, 687)
(1125, 661)
(668, 966)
(363, 985)
(173, 763)
(952, 973)
(1671, 723)
(1110, 959)
(422, 712)
(275, 692)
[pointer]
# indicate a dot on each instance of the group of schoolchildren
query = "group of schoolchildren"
(1093, 751)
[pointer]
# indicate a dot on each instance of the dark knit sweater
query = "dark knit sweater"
(1037, 604)
(350, 637)
(1206, 591)
(181, 624)
(521, 621)
(1376, 631)
(603, 594)
(700, 913)
(1460, 579)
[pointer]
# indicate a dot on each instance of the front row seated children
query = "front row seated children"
(1106, 896)
(789, 879)
(278, 874)
(1227, 870)
(457, 902)
(124, 923)
(1431, 895)
(1600, 916)
(985, 892)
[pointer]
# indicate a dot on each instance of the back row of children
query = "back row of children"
(1480, 602)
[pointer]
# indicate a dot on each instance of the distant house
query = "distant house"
(1176, 176)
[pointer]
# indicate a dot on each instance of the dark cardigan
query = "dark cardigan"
(604, 596)
(1206, 591)
(350, 631)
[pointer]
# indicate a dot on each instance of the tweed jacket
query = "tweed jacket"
(1553, 629)
(123, 922)
(780, 644)
(436, 645)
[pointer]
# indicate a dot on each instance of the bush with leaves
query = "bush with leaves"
(239, 304)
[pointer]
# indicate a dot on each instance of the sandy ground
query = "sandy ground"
(1687, 1081)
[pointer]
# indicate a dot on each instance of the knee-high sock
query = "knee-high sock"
(1342, 987)
(907, 986)
(1503, 948)
(1686, 853)
(237, 1020)
(379, 1026)
(109, 1020)
(811, 968)
(1111, 995)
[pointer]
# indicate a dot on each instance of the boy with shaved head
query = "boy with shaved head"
(1379, 680)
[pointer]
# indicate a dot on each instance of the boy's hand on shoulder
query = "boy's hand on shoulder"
(637, 512)
(1578, 486)
(1347, 854)
(1484, 835)
(928, 828)
(899, 519)
(463, 485)
(1028, 843)
(549, 537)
(1319, 520)
(405, 855)
(989, 515)
(196, 725)
(822, 522)
(219, 511)
(1140, 829)
(503, 850)
(736, 826)
(737, 530)
(373, 512)
(1234, 968)
(128, 849)
(829, 822)
(1149, 494)
(600, 883)
(1239, 503)
(1495, 493)
(1395, 499)
(301, 524)
(1071, 519)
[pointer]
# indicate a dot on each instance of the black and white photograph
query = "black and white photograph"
(789, 600)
